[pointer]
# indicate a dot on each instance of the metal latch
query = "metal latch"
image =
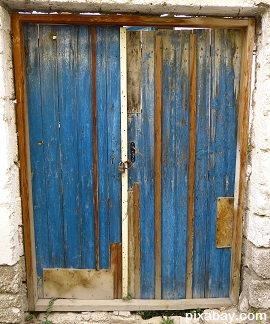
(123, 166)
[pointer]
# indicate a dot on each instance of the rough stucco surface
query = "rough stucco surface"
(256, 252)
(184, 7)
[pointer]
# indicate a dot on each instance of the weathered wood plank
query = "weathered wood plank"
(192, 154)
(225, 64)
(50, 150)
(158, 161)
(78, 283)
(113, 132)
(86, 213)
(225, 210)
(134, 72)
(137, 240)
(141, 132)
(132, 305)
(95, 146)
(103, 62)
(124, 157)
(24, 154)
(175, 161)
(67, 79)
(37, 147)
(201, 170)
(131, 239)
(116, 267)
(134, 20)
(241, 157)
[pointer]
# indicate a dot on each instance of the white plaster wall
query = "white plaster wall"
(256, 274)
(10, 207)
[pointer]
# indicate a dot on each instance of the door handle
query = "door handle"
(133, 151)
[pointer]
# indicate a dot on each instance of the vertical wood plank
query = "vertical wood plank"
(51, 188)
(137, 241)
(85, 148)
(201, 204)
(133, 73)
(36, 138)
(94, 104)
(114, 129)
(175, 161)
(116, 267)
(103, 64)
(158, 158)
(67, 79)
(192, 145)
(124, 157)
(131, 248)
(24, 152)
(141, 132)
(241, 157)
(222, 149)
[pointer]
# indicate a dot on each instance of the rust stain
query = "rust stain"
(77, 283)
(225, 210)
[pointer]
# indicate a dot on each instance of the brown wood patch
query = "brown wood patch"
(77, 283)
(225, 210)
(134, 242)
(137, 240)
(131, 287)
(134, 73)
(116, 267)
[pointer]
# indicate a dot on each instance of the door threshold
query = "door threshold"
(77, 305)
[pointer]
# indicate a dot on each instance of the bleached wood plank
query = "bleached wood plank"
(131, 305)
(124, 157)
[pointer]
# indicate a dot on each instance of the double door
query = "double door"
(132, 143)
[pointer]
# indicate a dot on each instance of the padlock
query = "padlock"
(121, 167)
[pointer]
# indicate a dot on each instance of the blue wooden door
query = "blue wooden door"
(73, 88)
(164, 74)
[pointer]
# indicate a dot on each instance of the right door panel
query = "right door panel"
(163, 263)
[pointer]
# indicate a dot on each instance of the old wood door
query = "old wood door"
(73, 85)
(182, 120)
(183, 89)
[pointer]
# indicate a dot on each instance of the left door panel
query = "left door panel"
(73, 92)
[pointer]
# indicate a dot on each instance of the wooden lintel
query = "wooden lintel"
(133, 20)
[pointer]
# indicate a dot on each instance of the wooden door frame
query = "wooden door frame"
(247, 26)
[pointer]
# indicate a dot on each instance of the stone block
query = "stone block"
(258, 230)
(260, 261)
(11, 309)
(259, 293)
(10, 279)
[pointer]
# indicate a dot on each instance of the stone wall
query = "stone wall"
(256, 251)
(256, 270)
